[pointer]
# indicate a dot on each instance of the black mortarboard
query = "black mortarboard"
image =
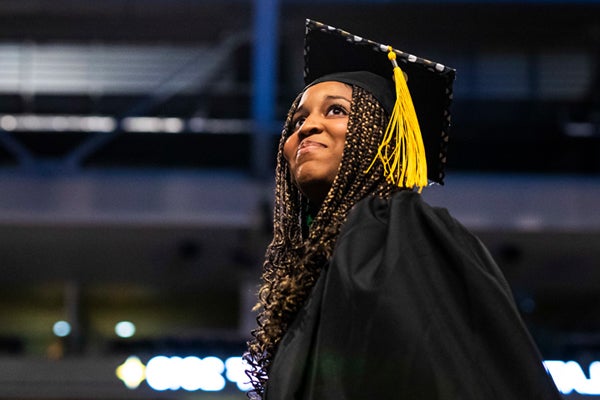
(333, 54)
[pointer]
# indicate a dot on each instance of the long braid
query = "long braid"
(293, 262)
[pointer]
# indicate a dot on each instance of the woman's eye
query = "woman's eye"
(337, 110)
(297, 123)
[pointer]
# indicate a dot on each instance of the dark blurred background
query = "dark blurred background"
(137, 140)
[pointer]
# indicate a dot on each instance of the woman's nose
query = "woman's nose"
(311, 126)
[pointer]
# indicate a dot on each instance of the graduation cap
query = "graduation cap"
(415, 92)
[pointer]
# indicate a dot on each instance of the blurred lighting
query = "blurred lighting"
(221, 126)
(580, 129)
(57, 123)
(31, 123)
(527, 305)
(97, 124)
(153, 124)
(8, 123)
(105, 124)
(125, 329)
(568, 377)
(190, 373)
(61, 328)
(202, 374)
(132, 372)
(160, 374)
(236, 369)
(194, 373)
(529, 223)
(173, 125)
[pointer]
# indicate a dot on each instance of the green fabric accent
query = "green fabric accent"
(309, 220)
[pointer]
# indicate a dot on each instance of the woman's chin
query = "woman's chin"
(314, 189)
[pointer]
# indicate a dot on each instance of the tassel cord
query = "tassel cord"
(404, 165)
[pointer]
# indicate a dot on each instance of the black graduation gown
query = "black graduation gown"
(411, 306)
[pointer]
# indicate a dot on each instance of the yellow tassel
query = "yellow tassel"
(405, 165)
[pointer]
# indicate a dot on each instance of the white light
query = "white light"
(98, 124)
(569, 376)
(59, 123)
(193, 373)
(173, 125)
(132, 372)
(141, 124)
(61, 328)
(203, 374)
(153, 124)
(125, 329)
(236, 372)
(592, 385)
(210, 377)
(8, 123)
(161, 373)
(190, 373)
(31, 123)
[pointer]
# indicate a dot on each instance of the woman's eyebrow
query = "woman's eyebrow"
(329, 97)
(337, 97)
(299, 110)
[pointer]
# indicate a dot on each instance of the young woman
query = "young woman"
(368, 292)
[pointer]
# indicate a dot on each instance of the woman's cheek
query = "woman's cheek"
(288, 149)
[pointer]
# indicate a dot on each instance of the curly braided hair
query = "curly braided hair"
(294, 258)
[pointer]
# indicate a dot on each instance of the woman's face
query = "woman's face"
(314, 149)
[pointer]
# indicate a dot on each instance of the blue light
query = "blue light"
(61, 328)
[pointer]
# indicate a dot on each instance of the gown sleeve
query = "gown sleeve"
(411, 306)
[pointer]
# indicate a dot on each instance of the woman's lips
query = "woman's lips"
(307, 146)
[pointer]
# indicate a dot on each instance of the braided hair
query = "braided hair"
(296, 255)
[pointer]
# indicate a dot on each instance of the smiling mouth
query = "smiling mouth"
(307, 146)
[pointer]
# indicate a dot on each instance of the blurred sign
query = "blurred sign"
(184, 373)
(569, 377)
